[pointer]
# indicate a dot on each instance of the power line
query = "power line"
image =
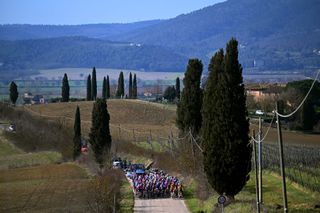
(305, 98)
(264, 137)
(194, 141)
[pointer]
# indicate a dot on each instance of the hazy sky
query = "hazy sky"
(94, 11)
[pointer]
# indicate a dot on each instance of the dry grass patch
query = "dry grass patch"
(129, 114)
(142, 116)
(43, 189)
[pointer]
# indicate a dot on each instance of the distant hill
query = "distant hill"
(102, 31)
(86, 52)
(273, 35)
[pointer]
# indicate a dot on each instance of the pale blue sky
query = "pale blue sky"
(94, 11)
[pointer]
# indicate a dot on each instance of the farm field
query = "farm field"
(160, 119)
(136, 119)
(82, 74)
(144, 117)
(44, 188)
(40, 182)
(48, 82)
(33, 182)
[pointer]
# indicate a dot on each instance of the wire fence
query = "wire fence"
(302, 163)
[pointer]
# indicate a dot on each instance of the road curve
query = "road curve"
(167, 205)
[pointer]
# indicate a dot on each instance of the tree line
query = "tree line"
(106, 94)
(172, 93)
(217, 114)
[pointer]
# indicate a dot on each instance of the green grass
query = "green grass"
(308, 179)
(7, 148)
(13, 157)
(153, 145)
(30, 159)
(193, 203)
(134, 158)
(299, 198)
(127, 199)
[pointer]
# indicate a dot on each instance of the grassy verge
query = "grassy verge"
(30, 159)
(299, 198)
(126, 199)
(153, 145)
(7, 148)
(193, 203)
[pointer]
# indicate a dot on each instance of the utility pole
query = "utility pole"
(260, 162)
(114, 203)
(256, 169)
(283, 174)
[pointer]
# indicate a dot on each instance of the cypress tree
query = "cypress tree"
(108, 87)
(135, 87)
(189, 106)
(104, 88)
(130, 86)
(225, 127)
(178, 88)
(94, 85)
(89, 97)
(99, 136)
(306, 115)
(13, 92)
(120, 90)
(170, 93)
(65, 89)
(77, 134)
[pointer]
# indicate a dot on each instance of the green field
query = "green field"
(48, 82)
(299, 198)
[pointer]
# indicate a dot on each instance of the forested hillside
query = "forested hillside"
(104, 31)
(86, 52)
(273, 35)
(276, 34)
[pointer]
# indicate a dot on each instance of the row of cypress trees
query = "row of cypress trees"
(132, 90)
(106, 88)
(92, 86)
(172, 93)
(99, 136)
(218, 114)
(120, 93)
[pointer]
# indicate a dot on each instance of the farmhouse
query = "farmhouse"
(259, 93)
(28, 98)
(38, 99)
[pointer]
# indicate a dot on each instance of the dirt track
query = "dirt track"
(160, 205)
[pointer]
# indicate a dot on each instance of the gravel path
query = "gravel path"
(160, 205)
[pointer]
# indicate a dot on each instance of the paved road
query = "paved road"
(160, 205)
